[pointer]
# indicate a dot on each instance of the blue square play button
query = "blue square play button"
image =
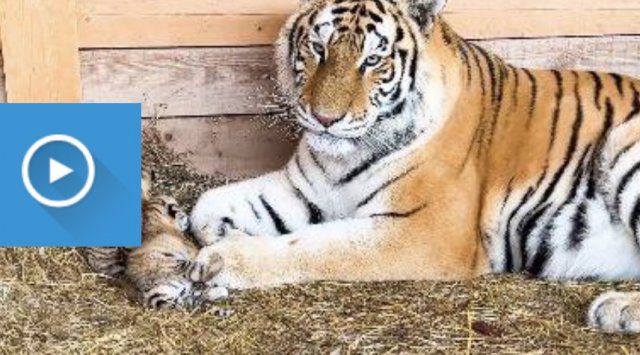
(72, 175)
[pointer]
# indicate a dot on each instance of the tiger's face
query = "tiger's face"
(351, 68)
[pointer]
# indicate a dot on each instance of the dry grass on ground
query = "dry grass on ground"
(49, 302)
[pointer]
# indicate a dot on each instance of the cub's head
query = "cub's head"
(352, 70)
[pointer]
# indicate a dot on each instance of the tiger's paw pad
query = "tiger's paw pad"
(616, 312)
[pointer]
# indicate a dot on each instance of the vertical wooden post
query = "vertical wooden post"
(40, 50)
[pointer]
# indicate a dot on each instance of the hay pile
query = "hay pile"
(49, 302)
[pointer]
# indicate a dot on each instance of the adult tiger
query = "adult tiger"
(425, 157)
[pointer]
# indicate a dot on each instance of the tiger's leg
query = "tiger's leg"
(619, 312)
(384, 247)
(264, 206)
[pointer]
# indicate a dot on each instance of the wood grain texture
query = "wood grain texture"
(128, 31)
(466, 5)
(544, 23)
(131, 31)
(40, 50)
(172, 7)
(126, 23)
(236, 147)
(184, 7)
(218, 81)
(183, 82)
(620, 54)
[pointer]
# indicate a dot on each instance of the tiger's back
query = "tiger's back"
(560, 151)
(555, 156)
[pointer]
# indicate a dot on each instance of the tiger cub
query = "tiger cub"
(165, 269)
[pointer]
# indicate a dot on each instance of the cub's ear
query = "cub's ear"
(424, 12)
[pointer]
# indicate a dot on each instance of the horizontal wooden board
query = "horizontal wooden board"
(126, 30)
(236, 147)
(466, 5)
(131, 31)
(174, 7)
(183, 82)
(185, 7)
(544, 23)
(218, 81)
(172, 23)
(620, 54)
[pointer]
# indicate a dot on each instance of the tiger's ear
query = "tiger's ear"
(424, 12)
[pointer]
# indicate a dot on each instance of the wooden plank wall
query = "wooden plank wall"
(204, 67)
(129, 23)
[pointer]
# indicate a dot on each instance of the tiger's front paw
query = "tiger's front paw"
(616, 312)
(206, 266)
(210, 260)
(217, 214)
(233, 254)
(211, 231)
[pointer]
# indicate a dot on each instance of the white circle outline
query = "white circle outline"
(27, 180)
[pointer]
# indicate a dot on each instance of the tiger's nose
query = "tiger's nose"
(326, 120)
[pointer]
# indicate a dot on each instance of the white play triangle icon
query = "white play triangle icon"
(57, 170)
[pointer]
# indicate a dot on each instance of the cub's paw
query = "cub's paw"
(182, 220)
(616, 312)
(173, 210)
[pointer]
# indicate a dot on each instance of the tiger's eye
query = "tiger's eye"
(372, 60)
(318, 48)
